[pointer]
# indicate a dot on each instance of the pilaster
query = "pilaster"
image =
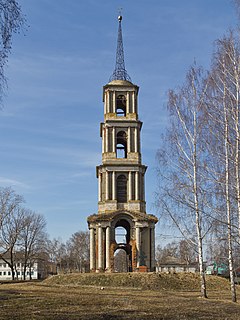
(138, 245)
(92, 250)
(100, 248)
(108, 235)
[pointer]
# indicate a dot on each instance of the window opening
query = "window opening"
(121, 154)
(121, 145)
(121, 235)
(121, 105)
(121, 188)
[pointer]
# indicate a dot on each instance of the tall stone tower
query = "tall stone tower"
(121, 183)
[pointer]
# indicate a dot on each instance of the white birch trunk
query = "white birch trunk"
(197, 212)
(227, 195)
(236, 119)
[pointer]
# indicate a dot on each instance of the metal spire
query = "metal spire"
(120, 73)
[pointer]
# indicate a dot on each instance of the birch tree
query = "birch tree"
(182, 193)
(224, 124)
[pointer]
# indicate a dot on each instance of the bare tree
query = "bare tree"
(183, 190)
(32, 239)
(56, 250)
(217, 250)
(224, 124)
(187, 252)
(163, 253)
(22, 232)
(79, 244)
(10, 224)
(11, 21)
(9, 201)
(200, 164)
(10, 237)
(71, 256)
(182, 250)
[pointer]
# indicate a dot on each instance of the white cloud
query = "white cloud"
(5, 182)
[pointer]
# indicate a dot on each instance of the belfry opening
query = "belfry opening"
(122, 234)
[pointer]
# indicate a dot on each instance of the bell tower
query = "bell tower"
(121, 179)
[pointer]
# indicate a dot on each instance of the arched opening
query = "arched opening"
(123, 253)
(121, 105)
(121, 261)
(122, 188)
(120, 235)
(121, 145)
(122, 230)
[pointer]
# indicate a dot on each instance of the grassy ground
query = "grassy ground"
(118, 296)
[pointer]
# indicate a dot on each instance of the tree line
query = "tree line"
(22, 232)
(181, 250)
(72, 255)
(23, 239)
(199, 160)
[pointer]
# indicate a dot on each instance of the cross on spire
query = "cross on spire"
(120, 73)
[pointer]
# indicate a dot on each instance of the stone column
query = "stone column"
(138, 245)
(114, 101)
(107, 187)
(129, 140)
(130, 185)
(152, 230)
(105, 102)
(108, 234)
(106, 132)
(113, 139)
(114, 185)
(143, 187)
(103, 139)
(92, 250)
(108, 101)
(127, 106)
(137, 185)
(136, 140)
(100, 248)
(99, 186)
(133, 102)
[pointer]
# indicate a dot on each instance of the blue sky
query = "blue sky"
(49, 126)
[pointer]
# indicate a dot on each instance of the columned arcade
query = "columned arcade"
(121, 180)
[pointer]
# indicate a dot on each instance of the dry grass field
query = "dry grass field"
(118, 296)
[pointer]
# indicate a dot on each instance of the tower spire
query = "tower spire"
(120, 73)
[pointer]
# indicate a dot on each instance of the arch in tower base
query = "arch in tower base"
(139, 243)
(123, 262)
